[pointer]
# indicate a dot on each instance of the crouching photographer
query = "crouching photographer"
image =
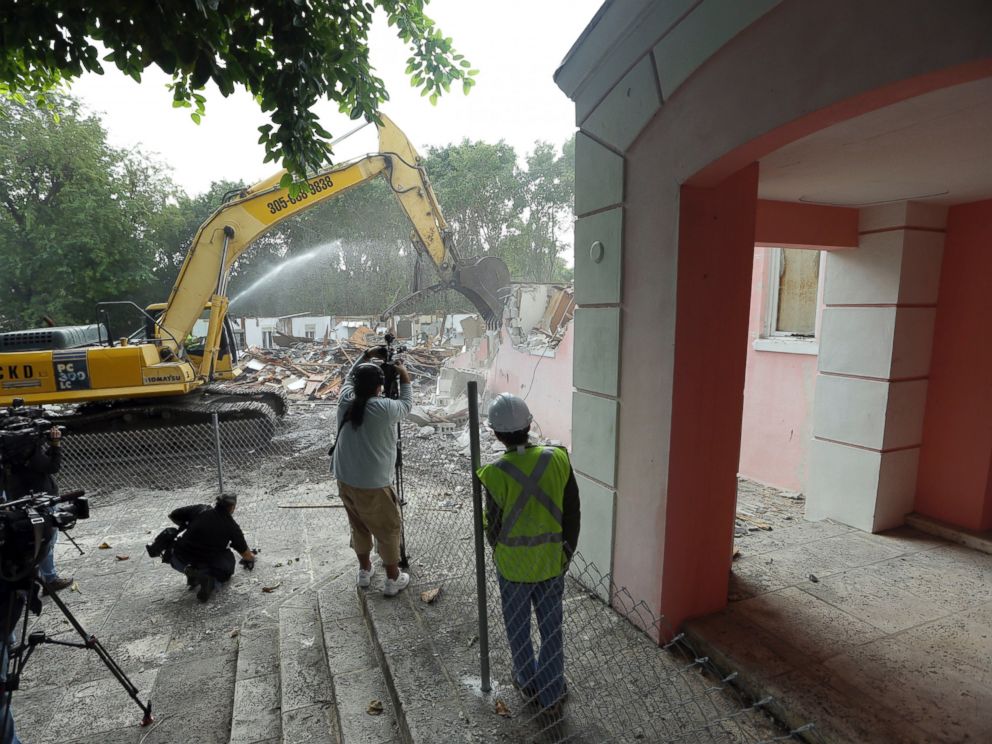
(200, 545)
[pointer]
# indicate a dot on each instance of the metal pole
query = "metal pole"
(220, 463)
(480, 549)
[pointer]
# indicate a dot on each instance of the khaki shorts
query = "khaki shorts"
(373, 512)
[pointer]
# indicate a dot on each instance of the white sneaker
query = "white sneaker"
(365, 577)
(392, 587)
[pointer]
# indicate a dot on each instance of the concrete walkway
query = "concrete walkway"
(874, 637)
(291, 665)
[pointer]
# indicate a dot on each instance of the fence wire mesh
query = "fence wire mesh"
(622, 685)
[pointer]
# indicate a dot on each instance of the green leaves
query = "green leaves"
(288, 55)
(80, 221)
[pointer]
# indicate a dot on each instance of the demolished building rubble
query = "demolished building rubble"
(315, 370)
(531, 352)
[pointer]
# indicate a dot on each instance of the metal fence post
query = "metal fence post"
(480, 545)
(220, 463)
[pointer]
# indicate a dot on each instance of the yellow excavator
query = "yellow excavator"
(150, 378)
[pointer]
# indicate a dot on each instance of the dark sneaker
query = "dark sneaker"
(57, 585)
(207, 585)
(193, 578)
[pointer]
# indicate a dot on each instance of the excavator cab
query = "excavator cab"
(225, 365)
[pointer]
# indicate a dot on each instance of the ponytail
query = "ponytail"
(356, 413)
(368, 378)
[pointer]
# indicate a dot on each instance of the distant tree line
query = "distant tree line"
(82, 221)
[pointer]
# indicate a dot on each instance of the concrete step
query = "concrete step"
(357, 679)
(981, 541)
(256, 717)
(309, 714)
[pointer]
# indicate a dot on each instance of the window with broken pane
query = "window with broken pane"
(796, 293)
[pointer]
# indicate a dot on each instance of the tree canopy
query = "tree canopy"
(83, 222)
(287, 54)
(80, 221)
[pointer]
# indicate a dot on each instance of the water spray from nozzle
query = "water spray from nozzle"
(287, 264)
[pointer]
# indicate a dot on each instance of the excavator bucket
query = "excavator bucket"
(486, 283)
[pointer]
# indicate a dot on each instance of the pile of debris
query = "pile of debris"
(315, 370)
(556, 309)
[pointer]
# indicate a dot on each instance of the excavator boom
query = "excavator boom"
(155, 378)
(231, 230)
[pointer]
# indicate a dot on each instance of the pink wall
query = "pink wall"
(716, 255)
(778, 401)
(954, 480)
(545, 382)
(519, 372)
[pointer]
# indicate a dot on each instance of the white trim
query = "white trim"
(773, 277)
(788, 345)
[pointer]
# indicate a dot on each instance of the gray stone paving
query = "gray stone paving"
(298, 665)
(183, 653)
(882, 637)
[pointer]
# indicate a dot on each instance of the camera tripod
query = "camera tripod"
(15, 656)
(392, 390)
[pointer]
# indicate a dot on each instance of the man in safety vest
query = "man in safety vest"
(532, 523)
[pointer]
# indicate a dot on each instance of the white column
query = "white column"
(880, 303)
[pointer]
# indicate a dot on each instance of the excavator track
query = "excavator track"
(258, 408)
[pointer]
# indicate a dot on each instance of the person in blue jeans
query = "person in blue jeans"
(34, 474)
(532, 523)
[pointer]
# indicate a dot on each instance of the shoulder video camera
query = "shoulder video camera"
(27, 526)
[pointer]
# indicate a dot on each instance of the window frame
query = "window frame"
(770, 338)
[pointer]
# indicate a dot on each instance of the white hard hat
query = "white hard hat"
(509, 413)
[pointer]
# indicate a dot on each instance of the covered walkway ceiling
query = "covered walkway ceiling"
(936, 147)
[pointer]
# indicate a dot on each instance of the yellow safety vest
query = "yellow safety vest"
(529, 489)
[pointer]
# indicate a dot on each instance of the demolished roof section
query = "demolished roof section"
(537, 314)
(530, 356)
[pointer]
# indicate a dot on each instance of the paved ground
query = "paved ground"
(875, 637)
(177, 650)
(300, 665)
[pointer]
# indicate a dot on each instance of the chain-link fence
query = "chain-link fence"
(621, 684)
(617, 683)
(196, 454)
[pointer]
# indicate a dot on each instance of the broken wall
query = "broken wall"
(543, 379)
(531, 356)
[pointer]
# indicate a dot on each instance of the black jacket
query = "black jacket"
(34, 475)
(209, 532)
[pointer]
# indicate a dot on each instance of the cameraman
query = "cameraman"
(33, 474)
(364, 461)
(202, 551)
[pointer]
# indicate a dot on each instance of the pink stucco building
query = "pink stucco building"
(855, 132)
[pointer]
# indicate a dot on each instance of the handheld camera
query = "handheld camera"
(391, 386)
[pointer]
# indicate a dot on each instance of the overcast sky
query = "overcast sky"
(516, 45)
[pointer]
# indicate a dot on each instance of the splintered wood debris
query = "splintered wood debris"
(316, 370)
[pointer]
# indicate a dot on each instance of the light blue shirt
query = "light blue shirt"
(366, 457)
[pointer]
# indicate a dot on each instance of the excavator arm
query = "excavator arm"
(233, 228)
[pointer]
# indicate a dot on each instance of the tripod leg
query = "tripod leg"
(404, 558)
(107, 659)
(400, 500)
